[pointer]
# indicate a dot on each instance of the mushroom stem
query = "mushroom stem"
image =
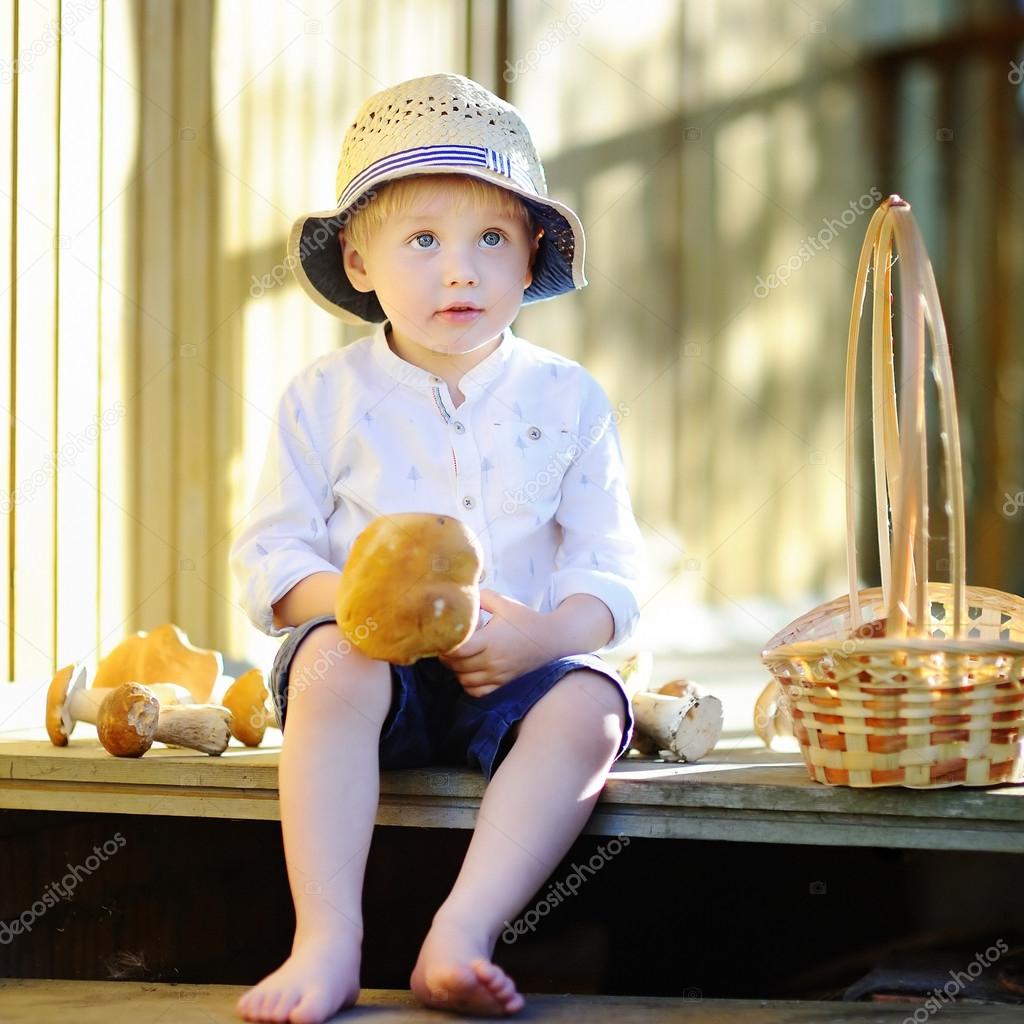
(84, 704)
(130, 719)
(687, 726)
(203, 727)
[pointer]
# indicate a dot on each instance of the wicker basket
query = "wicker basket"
(915, 683)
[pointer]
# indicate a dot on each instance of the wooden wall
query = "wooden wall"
(156, 151)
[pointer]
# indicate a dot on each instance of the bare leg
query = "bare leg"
(329, 786)
(535, 806)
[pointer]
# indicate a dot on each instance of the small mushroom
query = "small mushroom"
(635, 672)
(128, 720)
(203, 727)
(246, 697)
(69, 702)
(772, 721)
(680, 718)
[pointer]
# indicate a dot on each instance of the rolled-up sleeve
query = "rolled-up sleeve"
(284, 535)
(602, 551)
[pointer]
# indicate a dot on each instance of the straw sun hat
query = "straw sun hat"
(438, 124)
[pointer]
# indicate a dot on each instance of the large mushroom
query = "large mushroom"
(69, 702)
(409, 589)
(163, 655)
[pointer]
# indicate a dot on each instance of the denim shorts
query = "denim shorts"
(433, 721)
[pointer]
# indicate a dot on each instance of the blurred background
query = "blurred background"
(724, 155)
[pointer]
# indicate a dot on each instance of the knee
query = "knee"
(583, 708)
(328, 672)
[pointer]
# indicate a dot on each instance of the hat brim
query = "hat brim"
(315, 254)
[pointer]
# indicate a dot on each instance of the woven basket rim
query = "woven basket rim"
(786, 642)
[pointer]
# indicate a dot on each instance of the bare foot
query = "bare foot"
(454, 972)
(319, 978)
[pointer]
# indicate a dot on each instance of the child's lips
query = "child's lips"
(459, 316)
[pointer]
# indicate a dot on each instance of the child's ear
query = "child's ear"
(534, 247)
(355, 266)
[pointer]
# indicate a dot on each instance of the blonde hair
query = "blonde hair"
(393, 198)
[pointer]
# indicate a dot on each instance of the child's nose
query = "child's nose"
(461, 266)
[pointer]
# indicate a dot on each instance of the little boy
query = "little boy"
(443, 230)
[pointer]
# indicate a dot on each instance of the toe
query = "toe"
(256, 1000)
(308, 1010)
(284, 1003)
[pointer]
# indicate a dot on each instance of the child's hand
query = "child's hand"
(513, 642)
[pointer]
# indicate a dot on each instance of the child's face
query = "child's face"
(432, 256)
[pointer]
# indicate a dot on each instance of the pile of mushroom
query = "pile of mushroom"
(156, 687)
(679, 721)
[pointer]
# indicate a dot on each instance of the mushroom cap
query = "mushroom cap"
(772, 721)
(680, 688)
(59, 723)
(409, 589)
(163, 655)
(246, 699)
(127, 720)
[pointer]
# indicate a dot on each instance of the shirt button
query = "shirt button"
(459, 427)
(533, 433)
(468, 502)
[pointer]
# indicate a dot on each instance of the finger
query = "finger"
(471, 645)
(481, 691)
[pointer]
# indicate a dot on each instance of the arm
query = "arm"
(308, 599)
(579, 625)
(602, 553)
(284, 539)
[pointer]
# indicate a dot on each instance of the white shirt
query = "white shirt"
(530, 462)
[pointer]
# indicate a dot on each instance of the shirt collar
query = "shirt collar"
(472, 381)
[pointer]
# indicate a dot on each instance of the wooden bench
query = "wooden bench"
(97, 1002)
(745, 795)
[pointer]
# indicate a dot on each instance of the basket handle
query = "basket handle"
(901, 470)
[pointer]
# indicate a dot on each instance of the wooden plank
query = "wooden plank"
(641, 822)
(8, 215)
(35, 271)
(151, 407)
(80, 419)
(735, 800)
(118, 295)
(48, 1001)
(225, 353)
(196, 252)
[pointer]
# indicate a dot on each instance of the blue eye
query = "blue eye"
(493, 234)
(417, 238)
